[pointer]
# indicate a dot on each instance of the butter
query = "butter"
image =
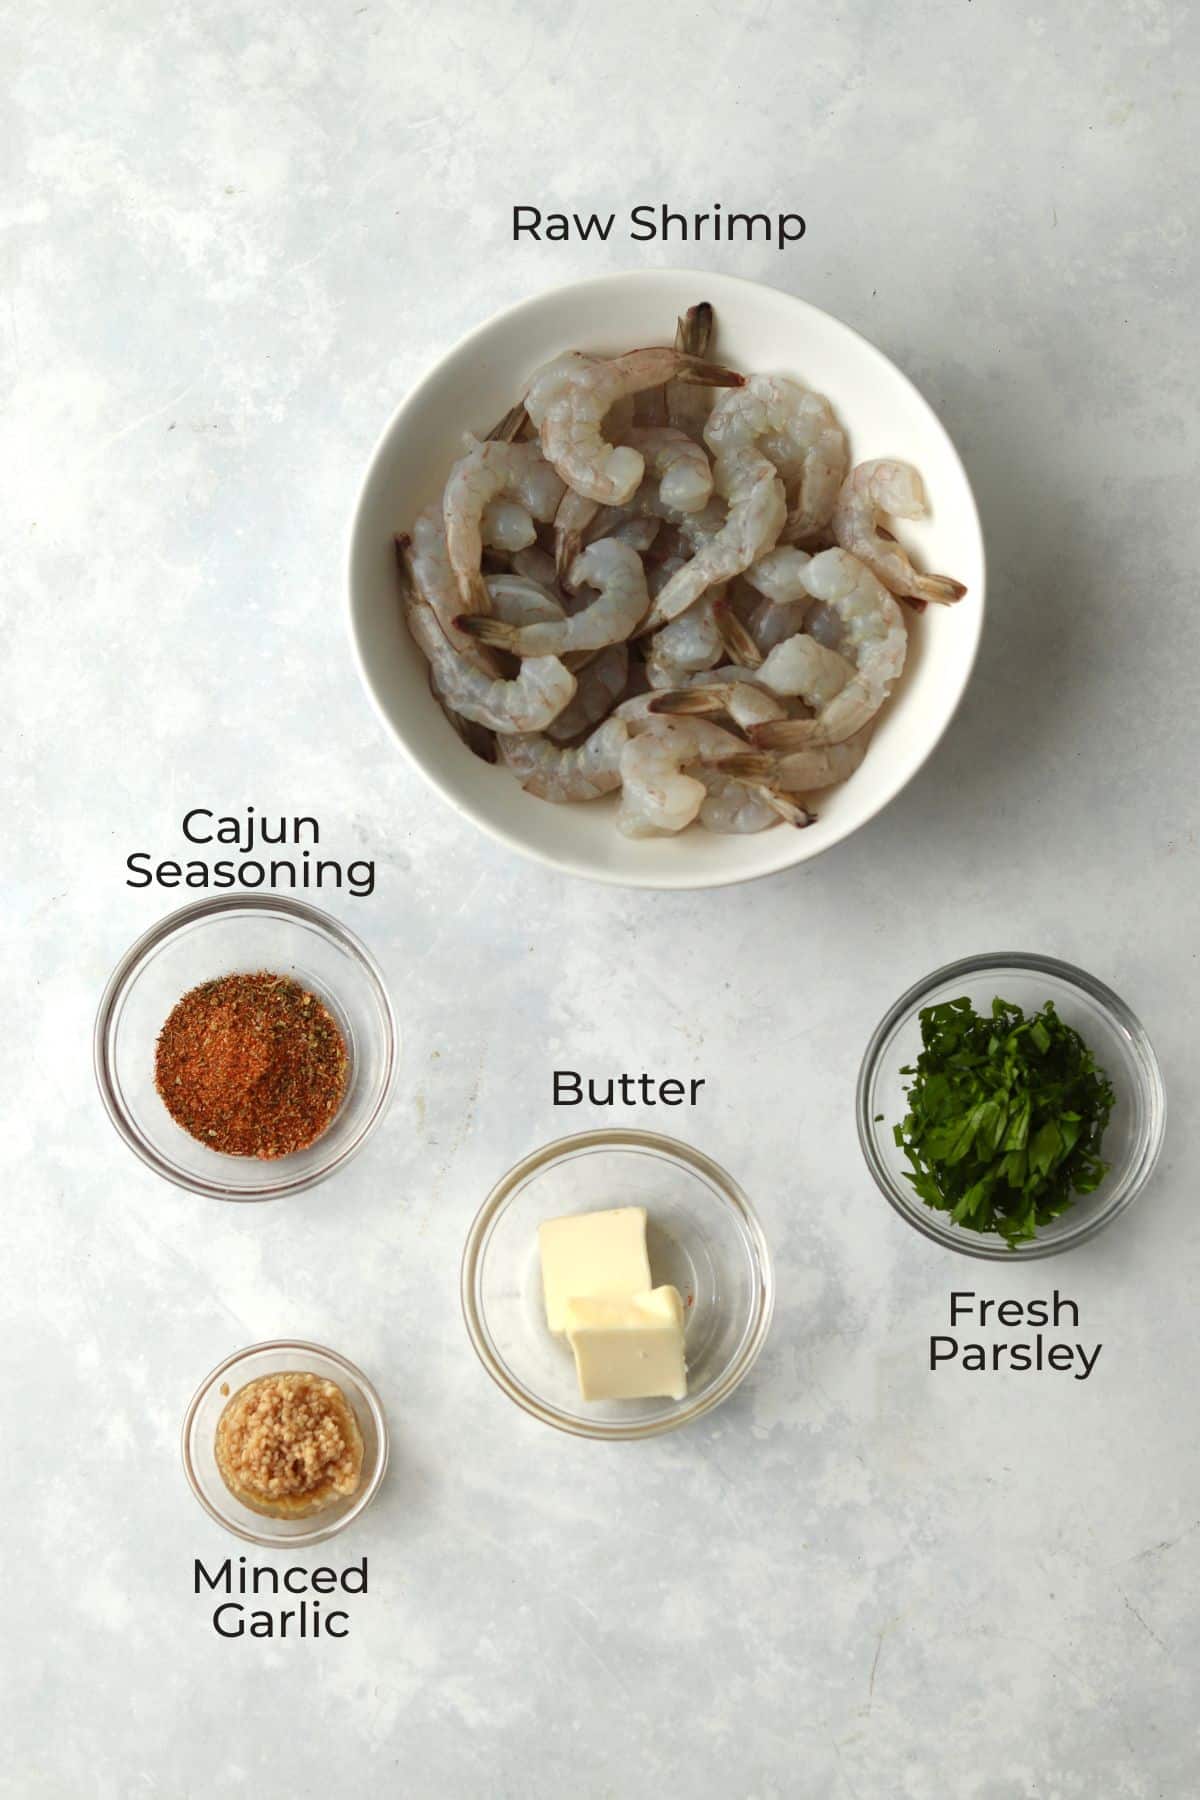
(629, 1349)
(593, 1256)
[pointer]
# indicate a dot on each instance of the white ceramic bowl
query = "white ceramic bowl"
(758, 329)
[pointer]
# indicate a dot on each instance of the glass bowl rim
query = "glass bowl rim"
(319, 1534)
(130, 965)
(989, 1248)
(617, 1138)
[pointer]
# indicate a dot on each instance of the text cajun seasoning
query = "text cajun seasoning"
(252, 1065)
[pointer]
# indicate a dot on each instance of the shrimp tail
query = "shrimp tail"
(566, 549)
(706, 374)
(511, 427)
(476, 599)
(786, 734)
(487, 630)
(572, 519)
(785, 806)
(693, 333)
(690, 702)
(736, 639)
(749, 767)
(942, 588)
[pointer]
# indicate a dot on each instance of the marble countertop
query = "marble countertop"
(232, 236)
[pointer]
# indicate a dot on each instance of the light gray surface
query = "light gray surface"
(232, 235)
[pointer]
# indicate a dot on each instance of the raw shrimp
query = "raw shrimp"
(727, 690)
(688, 644)
(757, 509)
(638, 533)
(797, 669)
(479, 740)
(822, 766)
(800, 668)
(551, 773)
(425, 558)
(535, 565)
(680, 482)
(599, 685)
(734, 808)
(487, 471)
(610, 566)
(587, 521)
(657, 794)
(568, 399)
(823, 625)
(784, 602)
(688, 531)
(894, 489)
(519, 601)
(679, 465)
(797, 431)
(506, 525)
(529, 703)
(874, 637)
(731, 539)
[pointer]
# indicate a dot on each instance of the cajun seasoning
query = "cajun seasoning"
(252, 1065)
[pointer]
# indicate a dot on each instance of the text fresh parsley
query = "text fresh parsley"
(1006, 1117)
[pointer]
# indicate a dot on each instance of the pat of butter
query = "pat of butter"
(593, 1256)
(629, 1349)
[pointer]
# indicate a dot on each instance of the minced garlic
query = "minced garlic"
(289, 1445)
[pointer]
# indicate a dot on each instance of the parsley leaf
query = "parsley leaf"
(1006, 1115)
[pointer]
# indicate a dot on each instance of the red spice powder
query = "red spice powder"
(252, 1065)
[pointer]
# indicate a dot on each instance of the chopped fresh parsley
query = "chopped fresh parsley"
(1006, 1117)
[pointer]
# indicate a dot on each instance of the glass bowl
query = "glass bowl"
(1135, 1131)
(703, 1238)
(243, 935)
(200, 1431)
